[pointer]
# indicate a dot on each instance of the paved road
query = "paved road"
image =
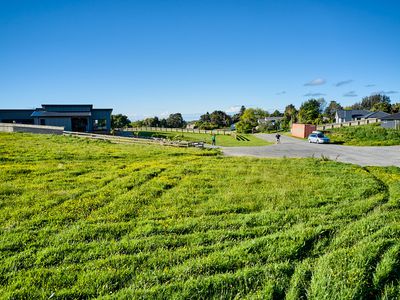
(292, 147)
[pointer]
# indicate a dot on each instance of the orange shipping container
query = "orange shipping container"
(302, 130)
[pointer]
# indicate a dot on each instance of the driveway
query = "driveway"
(292, 147)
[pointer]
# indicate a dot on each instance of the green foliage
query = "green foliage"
(249, 120)
(309, 112)
(86, 219)
(175, 121)
(331, 109)
(217, 119)
(236, 117)
(366, 135)
(375, 102)
(119, 121)
(289, 117)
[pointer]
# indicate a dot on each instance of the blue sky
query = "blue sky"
(145, 58)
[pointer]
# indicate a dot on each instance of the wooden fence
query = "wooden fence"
(133, 140)
(350, 123)
(182, 130)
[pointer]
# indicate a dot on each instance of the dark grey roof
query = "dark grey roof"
(376, 114)
(395, 116)
(350, 113)
(60, 114)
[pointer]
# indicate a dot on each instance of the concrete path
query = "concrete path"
(292, 147)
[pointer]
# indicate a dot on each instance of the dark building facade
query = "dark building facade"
(73, 117)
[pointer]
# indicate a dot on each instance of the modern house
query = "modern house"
(73, 117)
(354, 115)
(391, 121)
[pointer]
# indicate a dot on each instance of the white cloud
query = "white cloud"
(350, 94)
(233, 109)
(314, 95)
(317, 81)
(340, 83)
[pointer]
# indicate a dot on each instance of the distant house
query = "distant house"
(391, 121)
(349, 115)
(73, 117)
(354, 115)
(269, 120)
(191, 125)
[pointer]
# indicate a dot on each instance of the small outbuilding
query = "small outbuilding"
(302, 130)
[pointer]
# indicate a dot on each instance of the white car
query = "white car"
(318, 138)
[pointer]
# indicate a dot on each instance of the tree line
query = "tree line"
(312, 111)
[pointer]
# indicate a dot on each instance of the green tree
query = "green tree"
(236, 117)
(248, 121)
(309, 112)
(276, 113)
(382, 106)
(220, 119)
(289, 116)
(395, 108)
(151, 122)
(119, 121)
(369, 102)
(138, 123)
(205, 118)
(331, 109)
(175, 121)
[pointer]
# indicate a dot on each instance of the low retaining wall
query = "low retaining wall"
(350, 123)
(43, 129)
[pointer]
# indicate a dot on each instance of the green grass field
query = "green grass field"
(366, 135)
(91, 219)
(241, 140)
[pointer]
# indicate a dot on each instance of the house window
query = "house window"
(42, 121)
(100, 124)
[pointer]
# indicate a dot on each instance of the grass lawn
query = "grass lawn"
(91, 219)
(366, 135)
(221, 140)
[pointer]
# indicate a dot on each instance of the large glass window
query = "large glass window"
(100, 124)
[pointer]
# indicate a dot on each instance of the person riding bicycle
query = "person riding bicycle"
(278, 138)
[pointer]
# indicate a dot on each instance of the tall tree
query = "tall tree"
(369, 102)
(382, 106)
(276, 113)
(248, 121)
(119, 121)
(151, 122)
(236, 117)
(205, 118)
(175, 121)
(289, 116)
(220, 118)
(331, 109)
(395, 108)
(309, 112)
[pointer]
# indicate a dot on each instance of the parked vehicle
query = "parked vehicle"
(318, 138)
